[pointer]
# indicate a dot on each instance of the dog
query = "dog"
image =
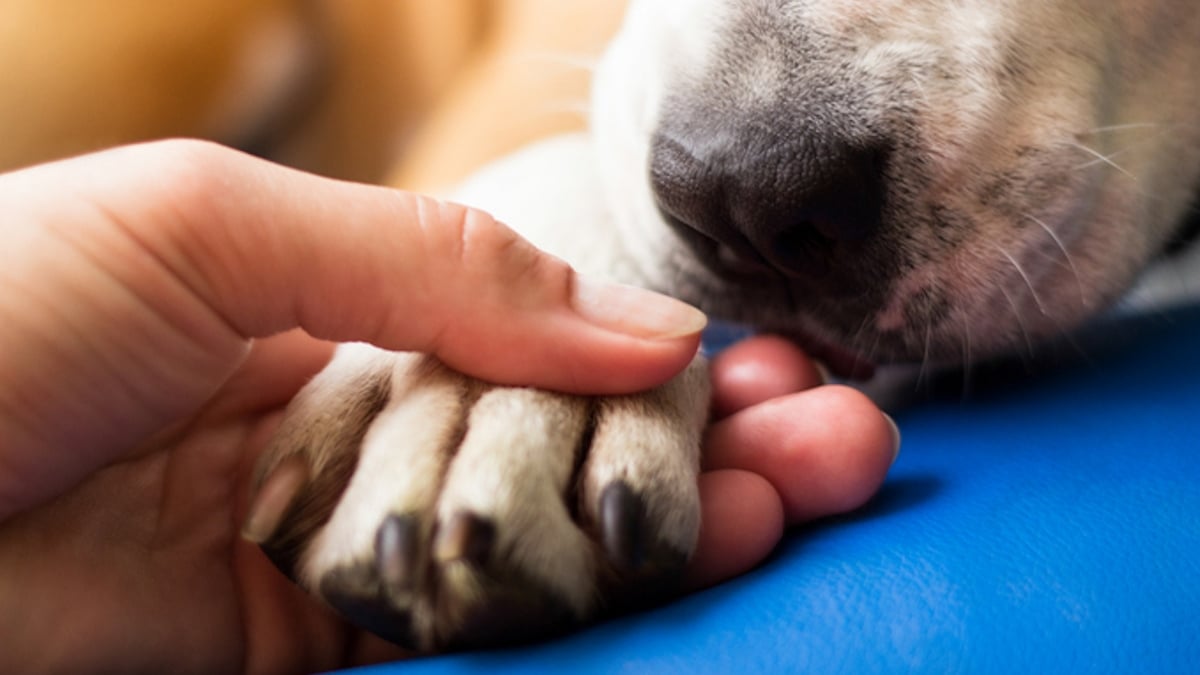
(905, 181)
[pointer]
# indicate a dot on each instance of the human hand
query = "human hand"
(133, 281)
(133, 402)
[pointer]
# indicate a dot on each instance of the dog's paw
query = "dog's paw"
(441, 512)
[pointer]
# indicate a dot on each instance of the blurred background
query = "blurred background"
(412, 92)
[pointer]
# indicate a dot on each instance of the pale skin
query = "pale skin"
(161, 304)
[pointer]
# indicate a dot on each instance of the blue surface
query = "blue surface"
(1051, 526)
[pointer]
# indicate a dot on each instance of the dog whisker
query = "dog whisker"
(1110, 158)
(856, 339)
(1100, 158)
(1016, 310)
(1028, 281)
(1066, 255)
(1133, 145)
(922, 372)
(874, 350)
(1123, 127)
(1162, 127)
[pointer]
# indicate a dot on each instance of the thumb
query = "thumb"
(268, 248)
(136, 278)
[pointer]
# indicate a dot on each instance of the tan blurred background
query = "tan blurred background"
(412, 92)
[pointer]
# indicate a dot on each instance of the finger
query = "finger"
(759, 369)
(825, 451)
(269, 249)
(741, 522)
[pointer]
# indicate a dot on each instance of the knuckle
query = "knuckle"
(188, 174)
(497, 256)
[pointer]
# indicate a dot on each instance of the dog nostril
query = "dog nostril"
(789, 204)
(802, 247)
(690, 192)
(842, 197)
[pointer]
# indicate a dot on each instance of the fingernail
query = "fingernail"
(895, 437)
(634, 311)
(274, 499)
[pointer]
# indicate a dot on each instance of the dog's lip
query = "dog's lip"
(841, 361)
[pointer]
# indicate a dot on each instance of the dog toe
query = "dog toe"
(510, 561)
(639, 490)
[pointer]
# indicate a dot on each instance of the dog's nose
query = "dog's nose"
(783, 201)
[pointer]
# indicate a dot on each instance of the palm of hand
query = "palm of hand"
(141, 567)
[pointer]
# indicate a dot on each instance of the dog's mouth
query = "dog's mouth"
(755, 281)
(841, 361)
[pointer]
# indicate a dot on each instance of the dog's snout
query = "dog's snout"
(783, 202)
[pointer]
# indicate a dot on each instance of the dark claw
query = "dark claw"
(355, 592)
(398, 553)
(647, 569)
(465, 537)
(622, 527)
